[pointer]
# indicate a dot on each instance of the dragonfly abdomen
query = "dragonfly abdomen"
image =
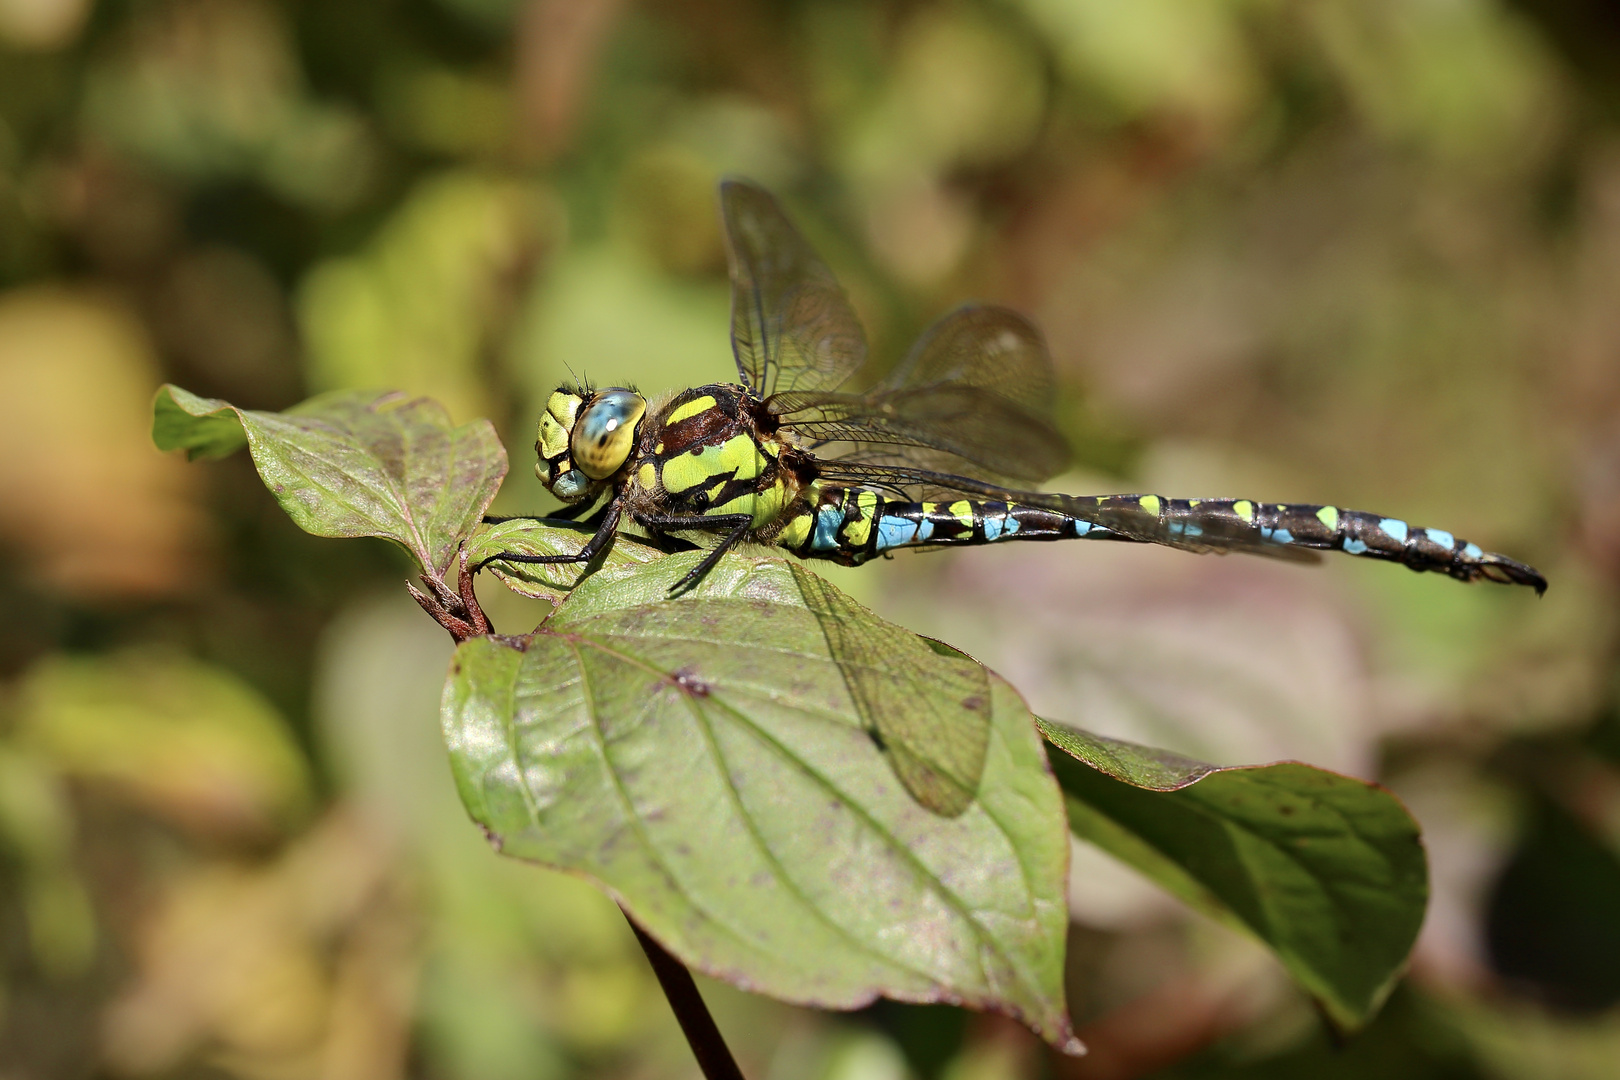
(1244, 525)
(852, 525)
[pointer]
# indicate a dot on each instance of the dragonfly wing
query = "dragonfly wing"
(914, 483)
(972, 398)
(926, 705)
(981, 345)
(792, 327)
(1129, 517)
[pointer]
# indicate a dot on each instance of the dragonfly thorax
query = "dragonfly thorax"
(585, 437)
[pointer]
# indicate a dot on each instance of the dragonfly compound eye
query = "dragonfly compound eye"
(605, 432)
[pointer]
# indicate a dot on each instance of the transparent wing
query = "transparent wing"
(971, 398)
(792, 327)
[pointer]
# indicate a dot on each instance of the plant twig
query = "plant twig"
(708, 1046)
(455, 610)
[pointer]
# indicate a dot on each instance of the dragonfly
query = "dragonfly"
(945, 450)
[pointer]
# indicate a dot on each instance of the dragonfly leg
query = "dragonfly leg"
(599, 540)
(567, 513)
(739, 524)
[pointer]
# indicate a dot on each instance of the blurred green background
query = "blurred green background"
(1354, 251)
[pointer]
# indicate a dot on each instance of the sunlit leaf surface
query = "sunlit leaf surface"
(704, 758)
(354, 463)
(1326, 870)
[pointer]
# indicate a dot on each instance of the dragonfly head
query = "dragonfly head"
(585, 437)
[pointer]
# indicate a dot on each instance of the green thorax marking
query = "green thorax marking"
(710, 460)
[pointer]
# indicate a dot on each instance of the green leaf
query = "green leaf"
(1326, 870)
(202, 427)
(704, 759)
(549, 536)
(354, 464)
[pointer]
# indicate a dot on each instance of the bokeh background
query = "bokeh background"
(1354, 251)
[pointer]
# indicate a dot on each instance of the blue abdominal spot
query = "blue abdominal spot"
(1473, 551)
(1441, 537)
(1395, 528)
(1277, 536)
(1355, 547)
(828, 518)
(895, 532)
(998, 525)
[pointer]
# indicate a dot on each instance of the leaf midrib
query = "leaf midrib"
(956, 903)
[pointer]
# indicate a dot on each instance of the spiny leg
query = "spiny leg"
(739, 524)
(568, 513)
(599, 540)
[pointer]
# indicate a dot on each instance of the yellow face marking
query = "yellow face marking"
(1150, 503)
(552, 438)
(659, 449)
(690, 409)
(647, 476)
(963, 511)
(1244, 509)
(1329, 516)
(795, 532)
(564, 406)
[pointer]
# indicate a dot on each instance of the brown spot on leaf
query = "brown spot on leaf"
(689, 683)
